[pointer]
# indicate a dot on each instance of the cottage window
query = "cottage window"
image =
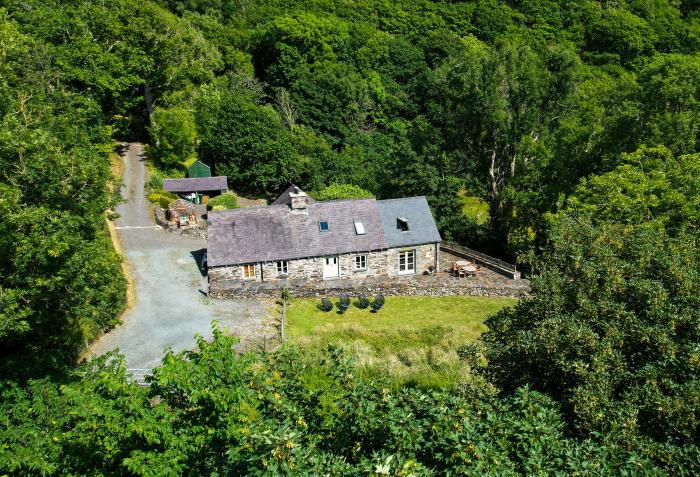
(361, 262)
(323, 226)
(402, 224)
(282, 267)
(249, 271)
(407, 262)
(359, 227)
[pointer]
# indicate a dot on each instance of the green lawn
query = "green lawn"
(412, 340)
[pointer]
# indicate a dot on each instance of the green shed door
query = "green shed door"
(198, 169)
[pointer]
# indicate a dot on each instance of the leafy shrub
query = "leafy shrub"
(223, 202)
(162, 198)
(155, 181)
(342, 191)
(282, 411)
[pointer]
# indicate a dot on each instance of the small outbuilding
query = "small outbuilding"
(198, 169)
(183, 212)
(197, 189)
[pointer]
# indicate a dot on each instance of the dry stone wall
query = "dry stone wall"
(269, 290)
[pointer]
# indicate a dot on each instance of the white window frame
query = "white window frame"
(282, 267)
(359, 227)
(361, 259)
(405, 254)
(245, 269)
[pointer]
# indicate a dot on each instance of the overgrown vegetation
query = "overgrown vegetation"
(574, 124)
(60, 282)
(162, 198)
(337, 191)
(279, 414)
(513, 101)
(223, 201)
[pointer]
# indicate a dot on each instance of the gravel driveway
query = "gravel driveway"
(170, 306)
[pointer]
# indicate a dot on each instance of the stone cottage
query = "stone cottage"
(299, 239)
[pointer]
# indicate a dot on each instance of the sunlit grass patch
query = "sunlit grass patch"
(474, 208)
(412, 340)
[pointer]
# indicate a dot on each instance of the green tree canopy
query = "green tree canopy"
(342, 191)
(173, 135)
(251, 414)
(649, 185)
(610, 331)
(246, 142)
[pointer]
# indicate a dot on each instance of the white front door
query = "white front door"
(331, 267)
(407, 262)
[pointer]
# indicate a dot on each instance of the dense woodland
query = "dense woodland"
(576, 124)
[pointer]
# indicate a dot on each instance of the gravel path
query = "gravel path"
(170, 306)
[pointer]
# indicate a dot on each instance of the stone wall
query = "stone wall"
(196, 231)
(232, 273)
(305, 279)
(162, 220)
(425, 258)
(390, 289)
(379, 263)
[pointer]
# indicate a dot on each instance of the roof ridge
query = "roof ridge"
(346, 200)
(192, 178)
(403, 198)
(243, 209)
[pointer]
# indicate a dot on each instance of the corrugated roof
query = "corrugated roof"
(195, 184)
(260, 234)
(416, 211)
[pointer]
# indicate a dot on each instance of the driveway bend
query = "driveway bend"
(170, 306)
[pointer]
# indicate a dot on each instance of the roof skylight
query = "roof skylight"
(323, 226)
(359, 227)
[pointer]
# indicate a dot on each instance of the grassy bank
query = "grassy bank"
(412, 340)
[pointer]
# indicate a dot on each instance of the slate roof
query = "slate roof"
(195, 184)
(422, 228)
(182, 204)
(274, 232)
(284, 196)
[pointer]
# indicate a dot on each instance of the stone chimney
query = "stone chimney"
(299, 200)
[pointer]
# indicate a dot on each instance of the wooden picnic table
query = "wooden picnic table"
(465, 266)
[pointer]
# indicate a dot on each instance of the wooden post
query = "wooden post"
(284, 318)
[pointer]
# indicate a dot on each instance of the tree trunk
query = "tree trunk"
(493, 176)
(150, 102)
